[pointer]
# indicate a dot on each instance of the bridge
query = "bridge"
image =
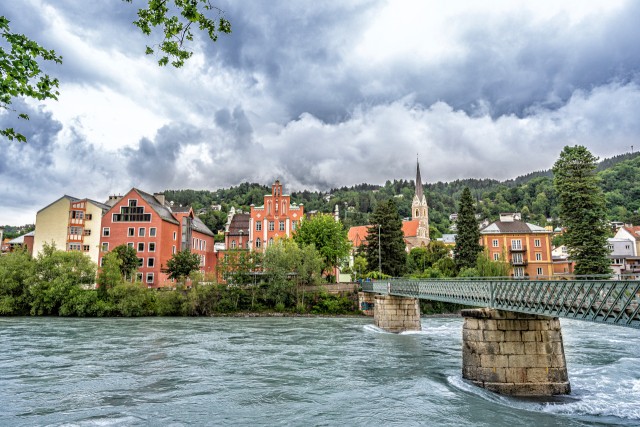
(513, 343)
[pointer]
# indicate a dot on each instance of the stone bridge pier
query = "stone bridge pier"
(396, 314)
(514, 354)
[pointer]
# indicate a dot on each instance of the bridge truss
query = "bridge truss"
(615, 302)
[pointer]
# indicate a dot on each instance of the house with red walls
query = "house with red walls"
(156, 230)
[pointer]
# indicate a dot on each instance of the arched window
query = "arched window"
(417, 212)
(269, 208)
(271, 241)
(233, 244)
(258, 242)
(284, 208)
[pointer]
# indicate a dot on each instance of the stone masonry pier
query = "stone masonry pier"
(396, 314)
(513, 354)
(366, 302)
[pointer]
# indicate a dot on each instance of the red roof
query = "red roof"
(634, 230)
(358, 235)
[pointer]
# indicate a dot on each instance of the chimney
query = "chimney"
(159, 197)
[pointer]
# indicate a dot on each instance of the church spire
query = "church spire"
(419, 191)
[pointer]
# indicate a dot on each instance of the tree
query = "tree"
(110, 273)
(582, 210)
(182, 264)
(20, 74)
(177, 27)
(386, 229)
(468, 239)
(16, 272)
(327, 235)
(128, 260)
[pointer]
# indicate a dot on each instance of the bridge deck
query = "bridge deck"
(615, 302)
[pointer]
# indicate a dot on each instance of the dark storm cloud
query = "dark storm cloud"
(511, 63)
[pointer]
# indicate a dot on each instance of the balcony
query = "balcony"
(521, 249)
(519, 262)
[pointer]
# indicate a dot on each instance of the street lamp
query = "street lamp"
(379, 257)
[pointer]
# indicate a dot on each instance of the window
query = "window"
(517, 258)
(233, 244)
(610, 247)
(496, 256)
(131, 232)
(258, 242)
(88, 217)
(87, 232)
(133, 203)
(130, 244)
(202, 260)
(495, 243)
(74, 246)
(538, 256)
(77, 214)
(105, 231)
(131, 213)
(105, 247)
(516, 244)
(140, 262)
(152, 232)
(141, 247)
(85, 248)
(151, 262)
(294, 225)
(175, 235)
(271, 241)
(259, 226)
(518, 272)
(281, 225)
(627, 246)
(271, 226)
(149, 277)
(75, 231)
(537, 243)
(141, 231)
(539, 271)
(152, 247)
(138, 277)
(173, 249)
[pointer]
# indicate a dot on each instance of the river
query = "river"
(289, 371)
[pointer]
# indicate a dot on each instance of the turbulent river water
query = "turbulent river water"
(289, 371)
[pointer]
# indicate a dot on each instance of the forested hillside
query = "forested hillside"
(533, 195)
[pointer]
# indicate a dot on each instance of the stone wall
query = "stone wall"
(366, 302)
(514, 354)
(396, 314)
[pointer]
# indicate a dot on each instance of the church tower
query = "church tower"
(420, 210)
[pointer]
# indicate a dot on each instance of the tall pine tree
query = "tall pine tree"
(387, 229)
(468, 238)
(582, 210)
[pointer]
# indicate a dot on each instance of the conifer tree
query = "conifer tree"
(582, 210)
(386, 228)
(468, 238)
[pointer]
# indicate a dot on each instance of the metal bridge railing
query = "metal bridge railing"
(615, 302)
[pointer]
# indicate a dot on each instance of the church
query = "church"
(416, 230)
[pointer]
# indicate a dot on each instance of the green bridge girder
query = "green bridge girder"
(614, 302)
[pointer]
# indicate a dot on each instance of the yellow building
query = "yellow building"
(71, 224)
(527, 247)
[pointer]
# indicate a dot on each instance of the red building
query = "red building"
(277, 218)
(157, 231)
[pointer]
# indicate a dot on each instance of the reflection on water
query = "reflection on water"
(289, 371)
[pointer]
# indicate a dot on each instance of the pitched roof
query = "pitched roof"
(512, 227)
(633, 230)
(410, 228)
(419, 191)
(239, 223)
(183, 209)
(358, 235)
(20, 239)
(162, 210)
(70, 198)
(201, 227)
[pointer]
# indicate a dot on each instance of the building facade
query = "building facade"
(156, 231)
(276, 218)
(527, 247)
(70, 224)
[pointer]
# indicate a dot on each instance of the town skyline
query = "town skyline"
(321, 96)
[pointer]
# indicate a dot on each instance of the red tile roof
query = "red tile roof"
(358, 235)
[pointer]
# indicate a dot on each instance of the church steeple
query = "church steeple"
(419, 191)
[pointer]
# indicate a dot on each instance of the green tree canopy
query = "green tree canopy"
(389, 254)
(327, 235)
(468, 239)
(582, 209)
(128, 258)
(182, 264)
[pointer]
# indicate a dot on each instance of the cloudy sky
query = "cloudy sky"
(321, 94)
